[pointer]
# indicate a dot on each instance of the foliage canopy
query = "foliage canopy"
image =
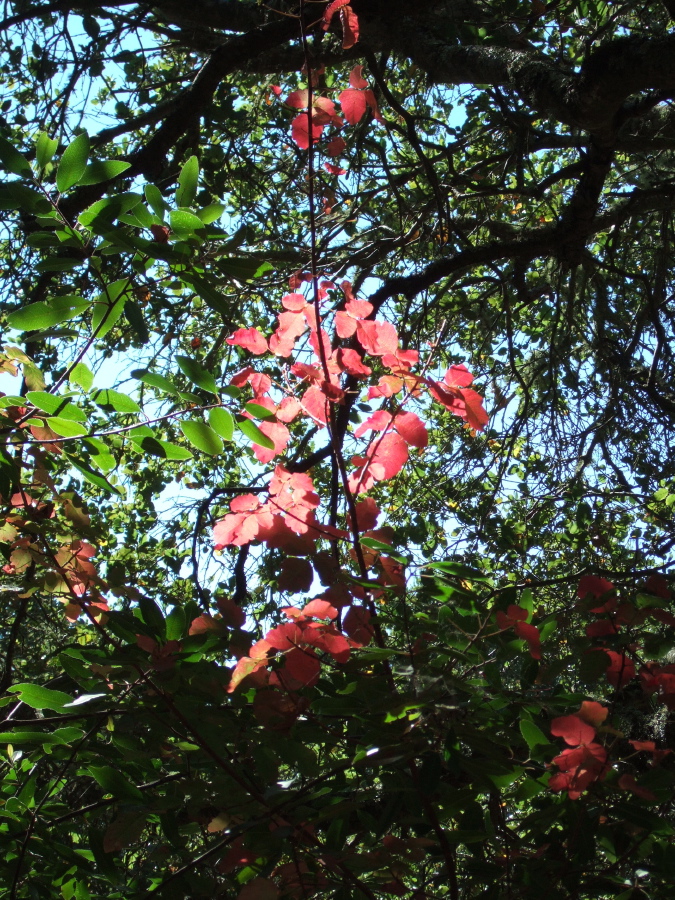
(336, 463)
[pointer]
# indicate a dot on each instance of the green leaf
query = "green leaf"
(202, 436)
(136, 319)
(103, 212)
(532, 735)
(155, 200)
(56, 406)
(163, 449)
(100, 170)
(258, 411)
(154, 379)
(66, 427)
(222, 422)
(82, 376)
(244, 269)
(73, 163)
(211, 213)
(38, 697)
(253, 433)
(94, 477)
(113, 782)
(45, 148)
(184, 222)
(12, 161)
(108, 308)
(176, 624)
(47, 313)
(197, 374)
(187, 183)
(152, 615)
(114, 400)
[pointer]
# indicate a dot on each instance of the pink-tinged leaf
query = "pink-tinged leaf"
(235, 530)
(260, 384)
(330, 11)
(391, 452)
(277, 432)
(320, 609)
(458, 376)
(298, 99)
(288, 409)
(377, 422)
(628, 783)
(387, 386)
(356, 79)
(296, 575)
(245, 503)
(475, 415)
(315, 405)
(303, 666)
(300, 130)
(345, 325)
(353, 104)
(573, 730)
(350, 27)
(276, 90)
(401, 361)
(250, 339)
(239, 379)
(365, 475)
(294, 302)
(325, 112)
(336, 146)
(357, 625)
(278, 536)
(351, 361)
(204, 623)
(372, 104)
(377, 338)
(412, 429)
(285, 637)
(593, 713)
(359, 309)
(333, 169)
(367, 512)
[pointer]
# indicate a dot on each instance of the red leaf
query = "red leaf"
(356, 79)
(391, 453)
(335, 644)
(353, 104)
(330, 11)
(530, 634)
(288, 409)
(387, 386)
(300, 130)
(350, 27)
(250, 339)
(379, 421)
(336, 146)
(475, 415)
(296, 575)
(351, 362)
(303, 666)
(620, 669)
(314, 403)
(628, 783)
(592, 584)
(320, 609)
(366, 514)
(372, 103)
(377, 338)
(572, 730)
(259, 889)
(592, 712)
(298, 99)
(357, 625)
(412, 429)
(160, 233)
(458, 376)
(334, 170)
